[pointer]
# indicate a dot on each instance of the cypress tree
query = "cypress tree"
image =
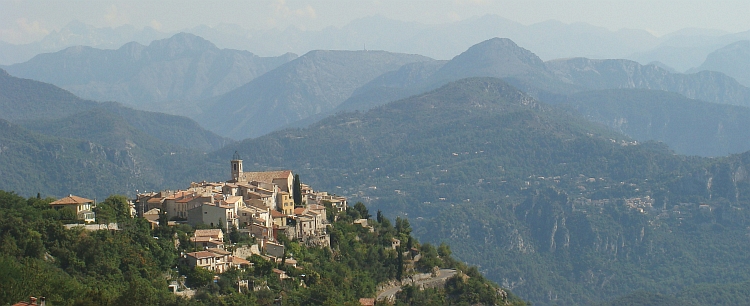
(297, 192)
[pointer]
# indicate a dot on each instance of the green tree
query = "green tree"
(403, 226)
(68, 214)
(444, 250)
(297, 191)
(362, 210)
(399, 264)
(199, 277)
(234, 234)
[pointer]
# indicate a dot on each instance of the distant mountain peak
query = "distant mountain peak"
(496, 57)
(181, 43)
(501, 49)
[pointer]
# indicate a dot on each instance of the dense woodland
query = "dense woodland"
(133, 266)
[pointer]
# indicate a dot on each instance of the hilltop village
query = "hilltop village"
(259, 205)
(257, 238)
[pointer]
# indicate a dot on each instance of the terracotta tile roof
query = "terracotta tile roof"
(208, 233)
(201, 254)
(367, 301)
(266, 176)
(218, 251)
(186, 199)
(234, 199)
(315, 207)
(277, 214)
(71, 199)
(238, 261)
(155, 200)
(299, 210)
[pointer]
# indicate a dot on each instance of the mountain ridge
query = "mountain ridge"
(315, 82)
(182, 68)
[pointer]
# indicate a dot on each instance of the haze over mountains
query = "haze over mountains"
(316, 82)
(571, 181)
(733, 59)
(188, 75)
(77, 33)
(680, 50)
(181, 68)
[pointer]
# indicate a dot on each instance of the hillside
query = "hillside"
(557, 209)
(314, 83)
(22, 99)
(182, 68)
(69, 145)
(687, 126)
(135, 264)
(93, 154)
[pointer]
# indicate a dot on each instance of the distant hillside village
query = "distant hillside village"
(259, 205)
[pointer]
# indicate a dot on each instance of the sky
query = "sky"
(24, 21)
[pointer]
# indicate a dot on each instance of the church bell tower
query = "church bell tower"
(236, 167)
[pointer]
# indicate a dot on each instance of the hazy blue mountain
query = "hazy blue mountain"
(733, 60)
(662, 66)
(497, 57)
(502, 58)
(682, 49)
(314, 83)
(30, 102)
(550, 39)
(393, 85)
(608, 74)
(181, 68)
(687, 126)
(535, 196)
(77, 33)
(687, 48)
